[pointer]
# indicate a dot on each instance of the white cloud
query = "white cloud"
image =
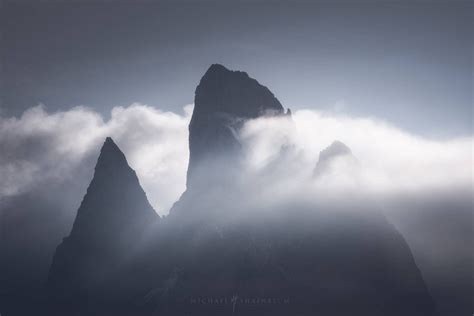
(389, 160)
(41, 147)
(424, 186)
(156, 146)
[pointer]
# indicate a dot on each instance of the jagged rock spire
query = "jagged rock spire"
(233, 92)
(114, 200)
(113, 220)
(333, 151)
(337, 148)
(224, 99)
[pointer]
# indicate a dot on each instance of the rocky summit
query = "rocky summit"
(112, 221)
(302, 259)
(224, 99)
(336, 150)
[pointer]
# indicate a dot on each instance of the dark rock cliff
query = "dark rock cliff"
(224, 100)
(113, 220)
(302, 259)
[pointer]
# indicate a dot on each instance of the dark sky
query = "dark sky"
(410, 63)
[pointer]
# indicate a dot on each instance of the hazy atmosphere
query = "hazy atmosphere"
(408, 62)
(383, 90)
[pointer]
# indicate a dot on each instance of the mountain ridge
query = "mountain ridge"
(113, 219)
(224, 100)
(331, 263)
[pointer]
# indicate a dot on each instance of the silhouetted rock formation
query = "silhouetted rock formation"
(322, 261)
(224, 100)
(305, 261)
(335, 150)
(111, 222)
(299, 259)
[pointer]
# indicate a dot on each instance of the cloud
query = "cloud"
(425, 186)
(41, 148)
(389, 160)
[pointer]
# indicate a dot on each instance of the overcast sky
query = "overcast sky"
(391, 79)
(409, 63)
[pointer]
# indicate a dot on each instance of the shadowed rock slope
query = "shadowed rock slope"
(215, 256)
(336, 150)
(224, 99)
(325, 261)
(113, 220)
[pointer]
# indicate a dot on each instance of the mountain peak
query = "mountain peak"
(216, 68)
(113, 192)
(337, 148)
(109, 140)
(326, 156)
(113, 218)
(233, 92)
(111, 157)
(110, 146)
(224, 99)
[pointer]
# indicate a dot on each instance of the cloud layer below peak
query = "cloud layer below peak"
(39, 148)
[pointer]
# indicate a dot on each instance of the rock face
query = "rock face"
(301, 259)
(224, 100)
(336, 150)
(310, 259)
(111, 221)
